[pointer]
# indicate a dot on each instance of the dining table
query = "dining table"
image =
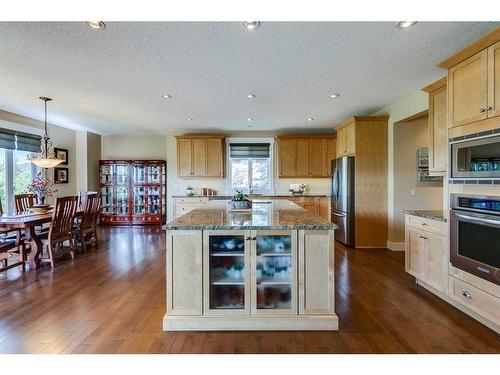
(28, 222)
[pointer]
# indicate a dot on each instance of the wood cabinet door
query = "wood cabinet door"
(438, 132)
(329, 155)
(274, 272)
(350, 139)
(324, 208)
(436, 273)
(415, 253)
(287, 158)
(341, 142)
(302, 156)
(468, 90)
(184, 273)
(494, 80)
(317, 152)
(316, 272)
(226, 272)
(184, 158)
(199, 157)
(215, 160)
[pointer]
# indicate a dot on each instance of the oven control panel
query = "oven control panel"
(483, 204)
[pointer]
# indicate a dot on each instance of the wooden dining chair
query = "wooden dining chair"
(24, 201)
(61, 229)
(11, 246)
(85, 230)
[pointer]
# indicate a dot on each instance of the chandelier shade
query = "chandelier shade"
(46, 157)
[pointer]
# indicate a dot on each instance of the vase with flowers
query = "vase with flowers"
(42, 187)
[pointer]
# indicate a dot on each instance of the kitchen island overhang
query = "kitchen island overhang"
(268, 268)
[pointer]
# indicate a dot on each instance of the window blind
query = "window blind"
(249, 150)
(7, 139)
(28, 142)
(16, 140)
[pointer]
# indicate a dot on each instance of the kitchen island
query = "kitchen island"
(268, 268)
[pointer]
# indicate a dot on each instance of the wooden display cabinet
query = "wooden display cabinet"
(133, 191)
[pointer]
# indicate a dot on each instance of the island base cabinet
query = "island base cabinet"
(184, 273)
(250, 280)
(316, 272)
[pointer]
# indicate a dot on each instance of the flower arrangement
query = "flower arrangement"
(42, 187)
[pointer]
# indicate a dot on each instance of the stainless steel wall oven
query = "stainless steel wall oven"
(475, 235)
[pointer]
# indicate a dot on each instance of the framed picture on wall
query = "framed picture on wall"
(61, 154)
(61, 175)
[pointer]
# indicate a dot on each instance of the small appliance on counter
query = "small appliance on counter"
(297, 189)
(208, 192)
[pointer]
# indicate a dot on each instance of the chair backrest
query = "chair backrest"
(24, 201)
(82, 197)
(90, 209)
(63, 216)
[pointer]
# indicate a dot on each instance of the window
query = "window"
(16, 172)
(250, 165)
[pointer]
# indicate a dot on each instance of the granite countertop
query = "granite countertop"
(428, 214)
(265, 214)
(257, 196)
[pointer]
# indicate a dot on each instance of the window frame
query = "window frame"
(270, 188)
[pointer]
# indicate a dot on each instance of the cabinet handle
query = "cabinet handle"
(251, 238)
(466, 294)
(489, 108)
(423, 237)
(424, 224)
(482, 110)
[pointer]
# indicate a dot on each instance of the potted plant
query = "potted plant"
(240, 201)
(189, 191)
(42, 188)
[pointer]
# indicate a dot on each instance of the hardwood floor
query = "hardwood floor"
(112, 300)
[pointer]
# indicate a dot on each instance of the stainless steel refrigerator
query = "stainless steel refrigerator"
(343, 199)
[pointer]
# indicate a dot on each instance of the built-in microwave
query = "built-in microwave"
(477, 158)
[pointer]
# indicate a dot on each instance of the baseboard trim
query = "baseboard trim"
(396, 246)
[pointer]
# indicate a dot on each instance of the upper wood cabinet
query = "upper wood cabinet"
(346, 140)
(474, 86)
(438, 130)
(305, 156)
(468, 90)
(200, 156)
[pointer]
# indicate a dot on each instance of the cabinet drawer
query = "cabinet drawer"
(191, 200)
(475, 299)
(435, 226)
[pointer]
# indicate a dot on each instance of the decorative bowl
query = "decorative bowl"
(40, 208)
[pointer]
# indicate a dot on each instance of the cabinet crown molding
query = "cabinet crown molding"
(479, 45)
(436, 85)
(352, 119)
(306, 136)
(200, 136)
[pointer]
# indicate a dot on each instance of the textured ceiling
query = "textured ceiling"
(111, 81)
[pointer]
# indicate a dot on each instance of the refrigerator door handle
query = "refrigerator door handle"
(336, 214)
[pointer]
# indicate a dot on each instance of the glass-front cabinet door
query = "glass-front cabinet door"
(274, 272)
(226, 272)
(107, 200)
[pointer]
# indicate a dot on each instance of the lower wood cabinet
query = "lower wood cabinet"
(427, 254)
(184, 273)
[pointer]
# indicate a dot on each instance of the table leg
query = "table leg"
(36, 247)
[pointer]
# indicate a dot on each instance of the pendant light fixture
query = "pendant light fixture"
(45, 158)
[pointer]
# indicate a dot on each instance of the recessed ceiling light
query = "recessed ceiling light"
(189, 119)
(166, 96)
(333, 96)
(405, 24)
(249, 119)
(96, 25)
(251, 96)
(310, 119)
(251, 25)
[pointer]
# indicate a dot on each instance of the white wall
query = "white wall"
(408, 137)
